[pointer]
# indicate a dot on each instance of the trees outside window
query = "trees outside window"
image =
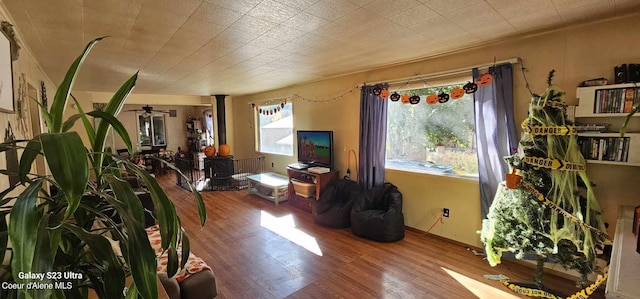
(437, 138)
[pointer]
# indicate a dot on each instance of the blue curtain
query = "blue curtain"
(495, 131)
(373, 135)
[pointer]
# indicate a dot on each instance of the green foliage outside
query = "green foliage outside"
(442, 133)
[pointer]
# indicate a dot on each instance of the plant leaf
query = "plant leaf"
(113, 108)
(67, 160)
(623, 130)
(186, 248)
(88, 127)
(132, 292)
(30, 153)
(172, 261)
(68, 124)
(43, 257)
(64, 89)
(140, 256)
(23, 229)
(116, 124)
(164, 208)
(113, 276)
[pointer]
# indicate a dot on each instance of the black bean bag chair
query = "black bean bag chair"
(378, 214)
(333, 209)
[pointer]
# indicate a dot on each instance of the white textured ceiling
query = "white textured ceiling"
(204, 47)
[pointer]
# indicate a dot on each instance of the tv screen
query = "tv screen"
(315, 148)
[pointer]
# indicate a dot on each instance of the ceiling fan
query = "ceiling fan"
(148, 110)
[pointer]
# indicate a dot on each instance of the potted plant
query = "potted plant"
(60, 243)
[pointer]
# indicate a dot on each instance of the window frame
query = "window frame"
(457, 80)
(257, 134)
(151, 117)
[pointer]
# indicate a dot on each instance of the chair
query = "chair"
(123, 152)
(152, 160)
(333, 209)
(378, 214)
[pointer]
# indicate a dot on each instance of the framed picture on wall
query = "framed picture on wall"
(6, 75)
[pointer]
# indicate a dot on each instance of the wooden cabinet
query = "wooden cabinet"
(321, 181)
(612, 102)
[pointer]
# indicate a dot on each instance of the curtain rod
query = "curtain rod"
(418, 77)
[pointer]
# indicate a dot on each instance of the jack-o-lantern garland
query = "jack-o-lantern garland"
(431, 99)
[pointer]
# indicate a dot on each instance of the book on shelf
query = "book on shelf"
(615, 149)
(617, 100)
(593, 128)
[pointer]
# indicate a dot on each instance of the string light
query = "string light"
(283, 100)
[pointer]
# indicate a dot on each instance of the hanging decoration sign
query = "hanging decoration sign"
(405, 98)
(457, 93)
(548, 130)
(394, 97)
(384, 93)
(484, 79)
(414, 100)
(553, 163)
(443, 97)
(432, 99)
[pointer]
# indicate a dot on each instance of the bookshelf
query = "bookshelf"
(607, 100)
(612, 102)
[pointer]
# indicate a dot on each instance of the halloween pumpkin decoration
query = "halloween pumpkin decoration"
(224, 151)
(377, 91)
(260, 110)
(278, 108)
(470, 87)
(484, 79)
(384, 93)
(457, 93)
(394, 97)
(443, 97)
(405, 98)
(282, 105)
(414, 100)
(432, 99)
(210, 151)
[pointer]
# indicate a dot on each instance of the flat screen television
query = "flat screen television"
(315, 148)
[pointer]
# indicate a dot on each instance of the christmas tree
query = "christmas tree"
(551, 211)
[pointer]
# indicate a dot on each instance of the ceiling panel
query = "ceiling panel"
(197, 47)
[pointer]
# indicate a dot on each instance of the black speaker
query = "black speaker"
(633, 74)
(621, 74)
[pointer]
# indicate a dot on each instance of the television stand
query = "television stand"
(320, 180)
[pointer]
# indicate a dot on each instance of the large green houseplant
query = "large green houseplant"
(62, 240)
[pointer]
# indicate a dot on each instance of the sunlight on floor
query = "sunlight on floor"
(285, 227)
(479, 289)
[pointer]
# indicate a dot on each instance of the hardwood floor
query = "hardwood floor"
(259, 250)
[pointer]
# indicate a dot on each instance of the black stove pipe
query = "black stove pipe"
(222, 123)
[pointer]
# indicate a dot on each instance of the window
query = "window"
(151, 130)
(275, 129)
(438, 138)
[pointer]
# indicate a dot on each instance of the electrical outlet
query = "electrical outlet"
(445, 212)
